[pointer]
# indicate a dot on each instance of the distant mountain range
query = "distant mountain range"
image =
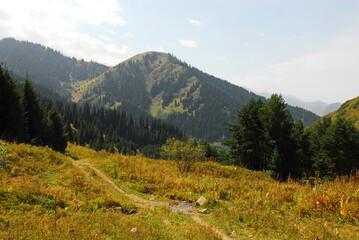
(317, 107)
(151, 83)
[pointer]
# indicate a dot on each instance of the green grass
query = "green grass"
(44, 196)
(349, 111)
(244, 203)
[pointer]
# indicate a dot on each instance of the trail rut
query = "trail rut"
(147, 204)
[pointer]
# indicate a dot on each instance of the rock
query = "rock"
(202, 201)
(133, 230)
(152, 198)
(202, 210)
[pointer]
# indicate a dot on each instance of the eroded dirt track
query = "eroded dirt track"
(144, 203)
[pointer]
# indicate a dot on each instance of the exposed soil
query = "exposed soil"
(179, 206)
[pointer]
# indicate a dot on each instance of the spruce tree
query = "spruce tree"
(248, 142)
(11, 111)
(57, 138)
(34, 117)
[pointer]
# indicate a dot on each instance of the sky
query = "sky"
(304, 48)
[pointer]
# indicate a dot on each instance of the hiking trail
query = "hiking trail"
(144, 203)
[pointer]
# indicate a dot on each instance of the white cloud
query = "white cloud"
(188, 43)
(195, 22)
(128, 36)
(58, 24)
(105, 38)
(330, 74)
(221, 58)
(156, 49)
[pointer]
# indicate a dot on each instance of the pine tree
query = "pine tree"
(247, 144)
(11, 111)
(279, 125)
(34, 117)
(57, 138)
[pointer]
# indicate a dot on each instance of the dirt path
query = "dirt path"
(147, 204)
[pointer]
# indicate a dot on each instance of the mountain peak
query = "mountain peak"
(150, 55)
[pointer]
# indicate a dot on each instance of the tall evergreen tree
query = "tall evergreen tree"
(56, 135)
(265, 138)
(248, 141)
(11, 111)
(335, 147)
(279, 125)
(34, 117)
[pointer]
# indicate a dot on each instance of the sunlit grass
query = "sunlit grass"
(243, 202)
(44, 196)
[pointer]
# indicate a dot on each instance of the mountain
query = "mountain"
(46, 66)
(151, 83)
(349, 111)
(318, 107)
(160, 84)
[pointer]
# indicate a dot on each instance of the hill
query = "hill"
(165, 87)
(47, 66)
(152, 83)
(349, 111)
(47, 195)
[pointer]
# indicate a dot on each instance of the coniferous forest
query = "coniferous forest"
(25, 117)
(266, 137)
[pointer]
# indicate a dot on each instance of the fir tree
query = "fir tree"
(57, 139)
(11, 111)
(34, 116)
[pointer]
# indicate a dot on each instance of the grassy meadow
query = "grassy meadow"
(45, 195)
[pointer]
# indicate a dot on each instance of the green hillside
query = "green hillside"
(349, 111)
(48, 195)
(151, 83)
(47, 66)
(160, 84)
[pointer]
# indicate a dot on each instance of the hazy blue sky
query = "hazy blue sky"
(305, 48)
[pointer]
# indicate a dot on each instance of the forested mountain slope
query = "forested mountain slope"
(160, 84)
(151, 83)
(46, 66)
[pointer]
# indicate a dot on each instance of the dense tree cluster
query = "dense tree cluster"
(266, 138)
(114, 130)
(22, 117)
(334, 147)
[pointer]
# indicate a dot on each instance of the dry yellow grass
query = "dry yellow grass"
(44, 196)
(245, 203)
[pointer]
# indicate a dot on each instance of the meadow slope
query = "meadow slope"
(45, 195)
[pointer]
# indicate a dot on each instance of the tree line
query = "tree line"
(266, 137)
(25, 117)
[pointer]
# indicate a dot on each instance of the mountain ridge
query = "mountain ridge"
(168, 88)
(152, 82)
(47, 66)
